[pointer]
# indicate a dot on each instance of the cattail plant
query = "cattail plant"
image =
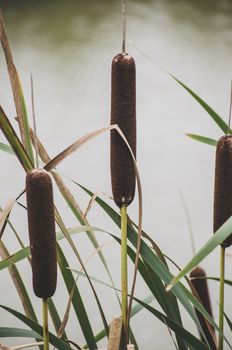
(200, 285)
(41, 224)
(223, 188)
(223, 208)
(123, 113)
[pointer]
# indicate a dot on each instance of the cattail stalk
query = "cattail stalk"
(45, 324)
(41, 224)
(222, 187)
(123, 113)
(221, 304)
(223, 209)
(124, 264)
(200, 285)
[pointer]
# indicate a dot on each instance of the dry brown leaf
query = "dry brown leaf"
(26, 346)
(73, 147)
(14, 79)
(92, 200)
(3, 347)
(5, 212)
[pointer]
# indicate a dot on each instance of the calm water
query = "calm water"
(68, 47)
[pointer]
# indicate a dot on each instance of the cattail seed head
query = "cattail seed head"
(223, 185)
(123, 113)
(201, 287)
(41, 225)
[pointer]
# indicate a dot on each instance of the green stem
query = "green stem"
(124, 263)
(221, 308)
(45, 324)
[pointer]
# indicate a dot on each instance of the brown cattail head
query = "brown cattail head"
(41, 225)
(123, 113)
(201, 287)
(223, 185)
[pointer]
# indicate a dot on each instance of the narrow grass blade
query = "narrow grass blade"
(19, 285)
(228, 282)
(7, 332)
(217, 119)
(14, 141)
(58, 343)
(209, 246)
(17, 91)
(229, 322)
(7, 149)
(203, 139)
(14, 258)
(77, 302)
(187, 336)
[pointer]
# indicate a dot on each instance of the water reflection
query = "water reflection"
(62, 22)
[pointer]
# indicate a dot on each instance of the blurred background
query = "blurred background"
(68, 47)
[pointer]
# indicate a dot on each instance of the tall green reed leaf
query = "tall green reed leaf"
(58, 343)
(229, 322)
(14, 141)
(217, 119)
(221, 234)
(77, 302)
(8, 332)
(203, 139)
(6, 148)
(215, 116)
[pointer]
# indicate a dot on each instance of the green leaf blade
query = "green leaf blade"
(203, 139)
